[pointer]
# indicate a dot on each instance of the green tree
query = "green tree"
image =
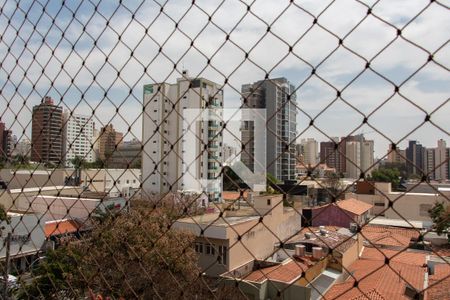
(133, 255)
(78, 162)
(391, 175)
(440, 215)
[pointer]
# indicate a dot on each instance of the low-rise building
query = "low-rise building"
(27, 238)
(79, 206)
(341, 213)
(304, 268)
(228, 239)
(397, 205)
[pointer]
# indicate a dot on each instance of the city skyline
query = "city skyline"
(428, 88)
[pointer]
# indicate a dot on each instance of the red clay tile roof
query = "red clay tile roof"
(287, 272)
(442, 250)
(439, 283)
(416, 258)
(233, 195)
(376, 278)
(61, 227)
(354, 206)
(408, 232)
(389, 236)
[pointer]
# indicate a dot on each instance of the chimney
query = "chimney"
(353, 227)
(299, 250)
(323, 232)
(307, 235)
(317, 252)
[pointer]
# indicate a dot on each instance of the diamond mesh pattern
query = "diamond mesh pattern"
(378, 68)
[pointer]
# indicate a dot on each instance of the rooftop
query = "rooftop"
(287, 272)
(335, 238)
(354, 206)
(216, 220)
(439, 283)
(389, 236)
(351, 205)
(399, 223)
(409, 257)
(59, 227)
(376, 278)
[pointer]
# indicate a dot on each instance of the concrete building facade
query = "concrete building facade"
(6, 144)
(441, 161)
(219, 248)
(78, 137)
(414, 156)
(172, 162)
(308, 151)
(278, 97)
(47, 132)
(108, 139)
(353, 157)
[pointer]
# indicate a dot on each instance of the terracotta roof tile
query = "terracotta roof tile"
(283, 272)
(406, 257)
(354, 206)
(439, 283)
(408, 232)
(373, 276)
(61, 227)
(389, 236)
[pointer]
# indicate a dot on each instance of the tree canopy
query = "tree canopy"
(133, 255)
(440, 215)
(391, 175)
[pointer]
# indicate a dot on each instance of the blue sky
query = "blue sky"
(64, 66)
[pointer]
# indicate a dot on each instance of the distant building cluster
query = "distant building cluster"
(420, 161)
(58, 137)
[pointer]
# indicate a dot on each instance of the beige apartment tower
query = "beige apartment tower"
(177, 157)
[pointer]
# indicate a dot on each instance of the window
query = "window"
(379, 204)
(199, 247)
(210, 249)
(268, 202)
(424, 208)
(222, 259)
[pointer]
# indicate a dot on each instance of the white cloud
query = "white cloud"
(248, 34)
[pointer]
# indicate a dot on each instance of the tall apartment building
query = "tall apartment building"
(429, 162)
(180, 156)
(22, 148)
(359, 159)
(441, 163)
(47, 132)
(396, 156)
(108, 139)
(278, 97)
(127, 155)
(329, 154)
(308, 151)
(353, 157)
(78, 137)
(414, 156)
(367, 157)
(6, 144)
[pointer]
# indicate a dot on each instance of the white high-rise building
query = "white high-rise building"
(309, 151)
(353, 156)
(177, 157)
(367, 159)
(441, 161)
(77, 137)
